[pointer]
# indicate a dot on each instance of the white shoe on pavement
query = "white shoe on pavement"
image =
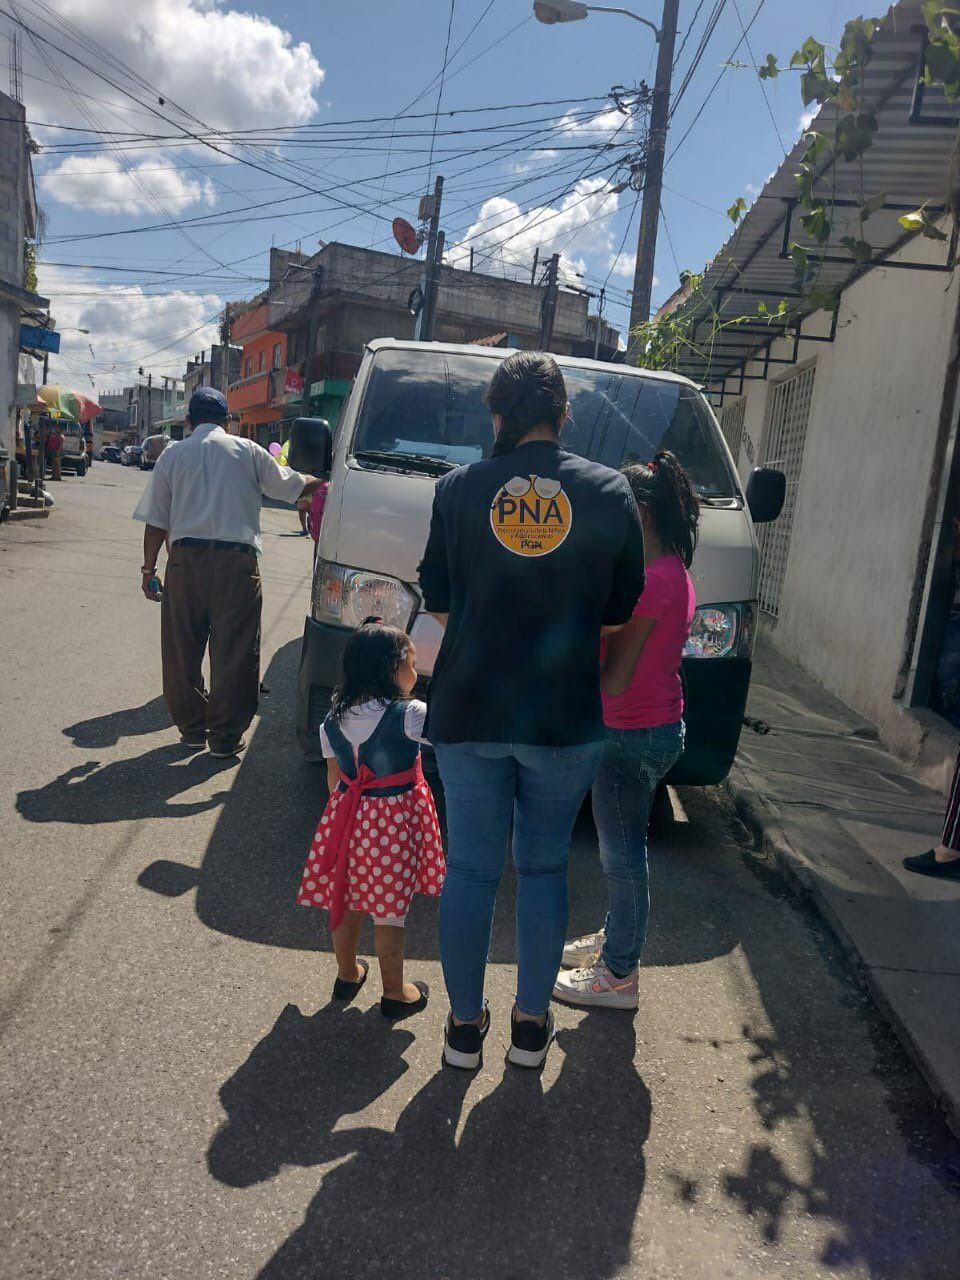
(597, 986)
(583, 950)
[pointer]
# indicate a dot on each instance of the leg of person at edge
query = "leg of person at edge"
(200, 503)
(643, 713)
(943, 861)
(515, 714)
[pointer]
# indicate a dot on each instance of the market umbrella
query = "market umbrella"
(61, 402)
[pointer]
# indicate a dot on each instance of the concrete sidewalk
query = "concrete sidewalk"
(838, 813)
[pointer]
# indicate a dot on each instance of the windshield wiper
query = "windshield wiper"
(407, 461)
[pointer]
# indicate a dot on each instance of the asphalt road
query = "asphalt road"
(180, 1099)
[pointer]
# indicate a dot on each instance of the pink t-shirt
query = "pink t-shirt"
(655, 695)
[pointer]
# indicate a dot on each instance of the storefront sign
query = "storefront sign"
(293, 384)
(35, 338)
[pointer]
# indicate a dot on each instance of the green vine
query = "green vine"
(835, 77)
(30, 266)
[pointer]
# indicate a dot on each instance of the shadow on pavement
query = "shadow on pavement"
(126, 790)
(106, 731)
(502, 1196)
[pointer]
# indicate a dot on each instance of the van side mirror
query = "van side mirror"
(311, 446)
(766, 494)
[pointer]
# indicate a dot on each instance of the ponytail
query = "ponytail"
(663, 488)
(526, 391)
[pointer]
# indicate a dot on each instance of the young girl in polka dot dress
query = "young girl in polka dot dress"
(378, 842)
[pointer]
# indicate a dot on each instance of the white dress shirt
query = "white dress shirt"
(210, 486)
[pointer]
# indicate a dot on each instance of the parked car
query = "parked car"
(153, 446)
(131, 455)
(73, 455)
(110, 453)
(416, 411)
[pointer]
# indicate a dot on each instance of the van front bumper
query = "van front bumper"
(715, 694)
(321, 657)
(715, 688)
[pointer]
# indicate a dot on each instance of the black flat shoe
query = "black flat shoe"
(396, 1009)
(343, 990)
(926, 864)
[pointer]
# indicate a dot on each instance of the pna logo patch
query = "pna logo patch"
(531, 515)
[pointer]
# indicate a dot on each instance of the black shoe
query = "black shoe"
(194, 741)
(343, 990)
(221, 750)
(463, 1046)
(397, 1009)
(926, 864)
(529, 1042)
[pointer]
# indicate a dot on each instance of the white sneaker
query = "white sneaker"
(596, 985)
(583, 951)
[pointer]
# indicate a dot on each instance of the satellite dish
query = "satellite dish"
(405, 235)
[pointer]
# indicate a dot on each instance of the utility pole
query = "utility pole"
(430, 276)
(596, 339)
(548, 308)
(225, 328)
(149, 400)
(536, 263)
(653, 178)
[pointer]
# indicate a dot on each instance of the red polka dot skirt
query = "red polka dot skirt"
(395, 852)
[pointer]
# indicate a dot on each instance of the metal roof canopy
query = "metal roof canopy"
(908, 162)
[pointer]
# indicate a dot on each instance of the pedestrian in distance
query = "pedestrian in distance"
(203, 502)
(378, 841)
(943, 861)
(531, 552)
(643, 715)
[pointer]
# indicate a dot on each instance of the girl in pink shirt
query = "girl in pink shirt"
(643, 713)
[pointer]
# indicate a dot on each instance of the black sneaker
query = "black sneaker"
(222, 749)
(529, 1042)
(463, 1046)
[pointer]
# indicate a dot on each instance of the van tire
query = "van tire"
(81, 467)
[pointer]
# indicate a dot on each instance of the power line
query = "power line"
(713, 87)
(443, 75)
(710, 27)
(763, 90)
(687, 34)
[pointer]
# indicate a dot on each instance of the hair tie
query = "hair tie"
(371, 621)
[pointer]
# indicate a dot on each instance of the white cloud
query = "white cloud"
(504, 237)
(808, 117)
(623, 264)
(127, 325)
(754, 189)
(228, 68)
(98, 181)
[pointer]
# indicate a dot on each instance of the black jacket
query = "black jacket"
(530, 554)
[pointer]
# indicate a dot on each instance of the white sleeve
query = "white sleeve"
(413, 721)
(154, 505)
(278, 482)
(325, 747)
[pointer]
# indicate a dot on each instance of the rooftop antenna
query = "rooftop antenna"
(16, 68)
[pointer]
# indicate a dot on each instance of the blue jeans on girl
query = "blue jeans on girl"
(539, 789)
(633, 763)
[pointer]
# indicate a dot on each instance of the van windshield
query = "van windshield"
(424, 410)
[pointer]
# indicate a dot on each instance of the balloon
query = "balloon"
(274, 448)
(283, 452)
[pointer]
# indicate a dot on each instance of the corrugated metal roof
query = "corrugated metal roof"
(907, 162)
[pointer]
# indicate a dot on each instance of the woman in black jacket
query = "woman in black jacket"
(531, 552)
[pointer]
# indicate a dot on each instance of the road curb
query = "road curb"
(760, 819)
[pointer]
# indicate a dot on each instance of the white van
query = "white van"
(416, 411)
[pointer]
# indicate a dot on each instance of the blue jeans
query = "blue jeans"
(486, 786)
(633, 763)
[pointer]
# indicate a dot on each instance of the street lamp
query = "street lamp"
(551, 11)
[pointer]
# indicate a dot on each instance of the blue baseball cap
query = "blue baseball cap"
(205, 403)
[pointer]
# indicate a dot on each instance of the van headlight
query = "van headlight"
(345, 597)
(722, 631)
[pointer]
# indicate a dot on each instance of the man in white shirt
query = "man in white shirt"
(203, 500)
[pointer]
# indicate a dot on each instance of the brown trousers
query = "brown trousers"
(211, 596)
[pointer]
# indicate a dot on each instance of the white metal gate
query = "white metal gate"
(731, 424)
(788, 412)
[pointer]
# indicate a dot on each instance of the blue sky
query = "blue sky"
(148, 297)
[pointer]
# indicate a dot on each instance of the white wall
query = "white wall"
(867, 471)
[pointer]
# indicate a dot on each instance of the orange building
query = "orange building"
(268, 391)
